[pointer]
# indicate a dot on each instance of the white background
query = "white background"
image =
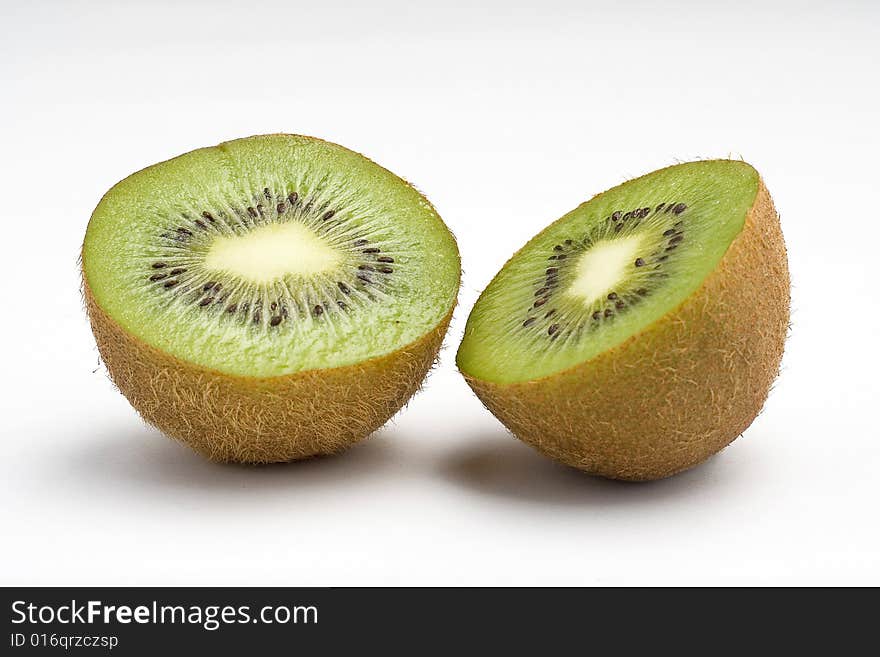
(505, 115)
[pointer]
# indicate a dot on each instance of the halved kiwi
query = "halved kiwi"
(270, 298)
(640, 333)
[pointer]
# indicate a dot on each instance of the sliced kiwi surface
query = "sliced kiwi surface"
(606, 270)
(269, 256)
(270, 298)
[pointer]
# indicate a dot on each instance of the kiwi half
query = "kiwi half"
(270, 298)
(640, 333)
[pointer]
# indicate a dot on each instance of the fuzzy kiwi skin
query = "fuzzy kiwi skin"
(239, 419)
(681, 390)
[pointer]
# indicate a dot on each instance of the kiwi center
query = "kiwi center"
(600, 269)
(269, 252)
(270, 260)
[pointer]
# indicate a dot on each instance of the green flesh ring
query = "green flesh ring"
(606, 271)
(269, 256)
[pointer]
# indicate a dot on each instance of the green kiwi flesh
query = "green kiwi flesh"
(606, 270)
(270, 255)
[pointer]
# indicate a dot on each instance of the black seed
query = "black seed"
(276, 320)
(158, 277)
(343, 288)
(207, 215)
(252, 212)
(612, 296)
(360, 242)
(608, 312)
(659, 207)
(529, 321)
(677, 224)
(293, 197)
(646, 212)
(539, 303)
(159, 265)
(365, 278)
(207, 286)
(552, 257)
(668, 208)
(318, 310)
(342, 305)
(616, 215)
(201, 224)
(640, 262)
(667, 233)
(542, 292)
(619, 305)
(218, 287)
(245, 306)
(550, 313)
(267, 193)
(328, 215)
(231, 308)
(366, 268)
(260, 209)
(385, 270)
(175, 272)
(384, 259)
(671, 247)
(309, 204)
(678, 209)
(258, 316)
(280, 208)
(372, 249)
(558, 247)
(662, 258)
(568, 242)
(642, 292)
(597, 315)
(552, 328)
(206, 301)
(676, 239)
(284, 312)
(627, 216)
(171, 283)
(552, 270)
(273, 306)
(185, 231)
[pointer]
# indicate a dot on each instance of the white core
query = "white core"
(603, 267)
(270, 252)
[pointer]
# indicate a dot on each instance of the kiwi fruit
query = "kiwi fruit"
(268, 299)
(640, 333)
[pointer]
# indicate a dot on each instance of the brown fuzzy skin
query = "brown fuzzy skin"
(680, 391)
(261, 420)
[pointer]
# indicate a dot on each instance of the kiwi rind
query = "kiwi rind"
(680, 390)
(230, 417)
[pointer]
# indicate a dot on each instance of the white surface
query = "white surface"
(506, 116)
